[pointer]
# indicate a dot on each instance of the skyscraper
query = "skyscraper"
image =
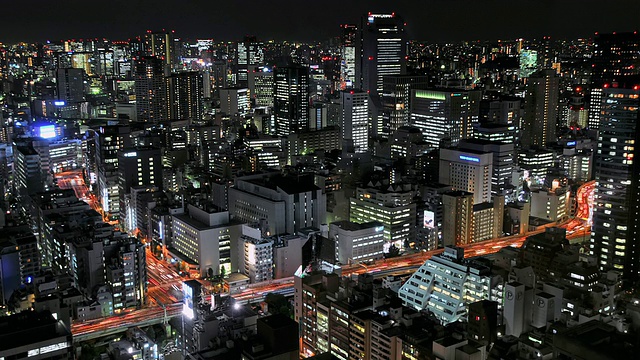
(150, 89)
(445, 116)
(159, 44)
(614, 55)
(184, 95)
(348, 55)
(396, 100)
(355, 120)
(614, 234)
(70, 85)
(249, 53)
(291, 99)
(381, 50)
(540, 109)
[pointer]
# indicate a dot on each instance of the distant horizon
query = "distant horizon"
(433, 21)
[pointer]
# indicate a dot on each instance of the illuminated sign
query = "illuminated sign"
(47, 131)
(571, 143)
(59, 103)
(131, 154)
(469, 158)
(187, 301)
(379, 228)
(429, 219)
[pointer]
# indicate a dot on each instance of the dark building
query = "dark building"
(483, 321)
(277, 338)
(615, 55)
(592, 340)
(34, 335)
(184, 96)
(614, 234)
(70, 85)
(540, 109)
(150, 89)
(291, 99)
(396, 97)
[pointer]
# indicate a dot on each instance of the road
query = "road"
(162, 277)
(73, 179)
(576, 227)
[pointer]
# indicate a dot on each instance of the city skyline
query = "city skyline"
(433, 21)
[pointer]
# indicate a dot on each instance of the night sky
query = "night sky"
(304, 20)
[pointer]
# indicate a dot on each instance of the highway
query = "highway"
(163, 279)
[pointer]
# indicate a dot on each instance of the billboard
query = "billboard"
(429, 220)
(47, 131)
(187, 301)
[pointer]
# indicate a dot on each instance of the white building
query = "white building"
(552, 205)
(204, 238)
(357, 242)
(354, 123)
(469, 171)
(258, 258)
(446, 284)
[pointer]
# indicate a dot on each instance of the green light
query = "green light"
(433, 95)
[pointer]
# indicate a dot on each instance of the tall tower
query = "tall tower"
(70, 85)
(184, 95)
(614, 234)
(381, 50)
(160, 44)
(540, 109)
(355, 120)
(396, 101)
(291, 99)
(150, 89)
(348, 55)
(249, 53)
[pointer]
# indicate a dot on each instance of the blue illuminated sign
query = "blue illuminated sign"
(59, 103)
(469, 158)
(571, 143)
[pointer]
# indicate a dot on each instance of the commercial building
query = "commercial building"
(203, 240)
(291, 99)
(286, 203)
(468, 170)
(354, 124)
(396, 102)
(357, 242)
(184, 96)
(445, 116)
(34, 335)
(465, 222)
(614, 234)
(150, 89)
(446, 284)
(392, 206)
(235, 101)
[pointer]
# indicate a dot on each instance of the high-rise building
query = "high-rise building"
(467, 170)
(540, 109)
(357, 242)
(445, 116)
(355, 120)
(396, 102)
(393, 206)
(291, 99)
(70, 84)
(614, 235)
(235, 101)
(184, 96)
(348, 55)
(381, 50)
(260, 83)
(109, 141)
(615, 55)
(503, 157)
(136, 167)
(249, 53)
(160, 44)
(150, 89)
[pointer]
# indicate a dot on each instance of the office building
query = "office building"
(348, 40)
(184, 96)
(614, 55)
(160, 44)
(235, 101)
(446, 284)
(540, 109)
(249, 54)
(392, 206)
(445, 116)
(396, 102)
(502, 161)
(354, 124)
(551, 204)
(357, 242)
(34, 335)
(140, 166)
(126, 275)
(307, 142)
(260, 84)
(110, 140)
(291, 99)
(535, 163)
(286, 203)
(467, 170)
(381, 49)
(70, 83)
(464, 222)
(614, 232)
(202, 239)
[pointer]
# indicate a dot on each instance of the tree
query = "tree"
(210, 273)
(223, 272)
